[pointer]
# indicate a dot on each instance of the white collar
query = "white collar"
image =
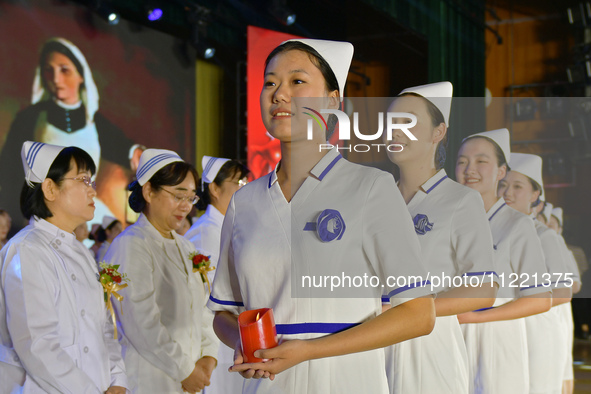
(68, 106)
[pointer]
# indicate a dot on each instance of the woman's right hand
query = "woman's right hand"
(249, 373)
(197, 381)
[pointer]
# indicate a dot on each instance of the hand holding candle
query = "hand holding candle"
(257, 331)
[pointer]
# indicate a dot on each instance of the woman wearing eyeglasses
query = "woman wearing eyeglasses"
(221, 178)
(168, 339)
(56, 335)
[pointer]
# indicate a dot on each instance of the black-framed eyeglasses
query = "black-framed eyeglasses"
(178, 198)
(84, 179)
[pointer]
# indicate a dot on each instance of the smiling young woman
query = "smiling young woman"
(546, 336)
(274, 230)
(55, 331)
(497, 344)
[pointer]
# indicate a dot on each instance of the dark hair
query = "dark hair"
(501, 160)
(101, 233)
(320, 63)
(315, 58)
(436, 119)
(228, 171)
(56, 46)
(536, 186)
(33, 199)
(169, 175)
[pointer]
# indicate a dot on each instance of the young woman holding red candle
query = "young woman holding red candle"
(497, 344)
(328, 345)
(546, 335)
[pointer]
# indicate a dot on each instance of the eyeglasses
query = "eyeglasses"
(84, 179)
(178, 198)
(240, 182)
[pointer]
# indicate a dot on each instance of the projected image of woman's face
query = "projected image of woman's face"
(62, 78)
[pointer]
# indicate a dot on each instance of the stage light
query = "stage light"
(154, 14)
(113, 18)
(208, 53)
(283, 14)
(108, 15)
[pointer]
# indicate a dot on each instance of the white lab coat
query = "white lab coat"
(205, 234)
(165, 325)
(102, 251)
(497, 351)
(53, 318)
(269, 244)
(455, 240)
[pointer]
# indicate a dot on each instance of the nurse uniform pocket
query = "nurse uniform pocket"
(74, 352)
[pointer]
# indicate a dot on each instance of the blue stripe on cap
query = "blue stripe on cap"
(221, 302)
(32, 155)
(208, 167)
(329, 167)
(405, 288)
(313, 328)
(155, 160)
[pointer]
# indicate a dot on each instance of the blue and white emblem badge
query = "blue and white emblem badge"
(330, 225)
(422, 224)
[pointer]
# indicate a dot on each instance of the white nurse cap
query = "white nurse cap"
(557, 213)
(528, 165)
(152, 160)
(547, 211)
(439, 93)
(37, 158)
(211, 167)
(338, 55)
(500, 137)
(107, 221)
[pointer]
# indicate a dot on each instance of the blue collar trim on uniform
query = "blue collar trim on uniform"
(493, 215)
(435, 185)
(313, 328)
(232, 303)
(270, 180)
(330, 166)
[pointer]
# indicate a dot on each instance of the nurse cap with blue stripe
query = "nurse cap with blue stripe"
(439, 93)
(211, 167)
(153, 160)
(500, 137)
(557, 213)
(528, 165)
(338, 55)
(37, 159)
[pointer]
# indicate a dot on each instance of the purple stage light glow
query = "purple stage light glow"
(155, 14)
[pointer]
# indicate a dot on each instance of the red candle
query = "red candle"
(257, 331)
